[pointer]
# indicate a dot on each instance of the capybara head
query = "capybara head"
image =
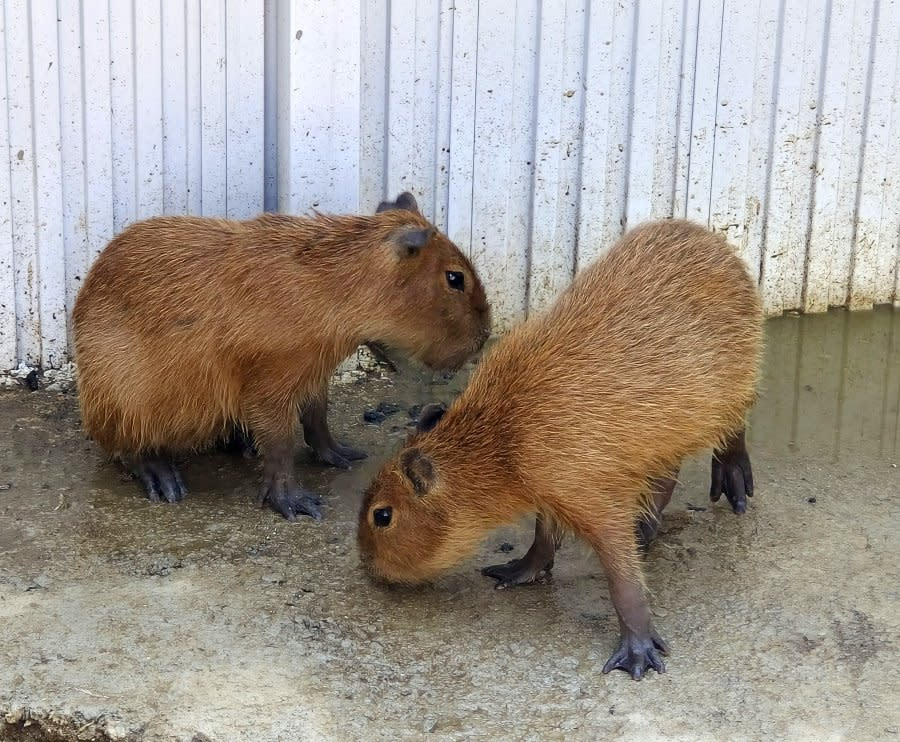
(409, 530)
(441, 313)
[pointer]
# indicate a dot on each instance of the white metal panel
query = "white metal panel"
(534, 133)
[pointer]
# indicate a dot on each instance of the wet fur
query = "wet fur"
(186, 326)
(651, 355)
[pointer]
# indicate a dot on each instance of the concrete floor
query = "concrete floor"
(214, 619)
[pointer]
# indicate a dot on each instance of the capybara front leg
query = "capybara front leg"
(314, 416)
(160, 478)
(537, 562)
(280, 490)
(661, 490)
(640, 647)
(731, 473)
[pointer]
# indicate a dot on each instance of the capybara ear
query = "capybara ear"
(404, 201)
(409, 241)
(418, 468)
(429, 417)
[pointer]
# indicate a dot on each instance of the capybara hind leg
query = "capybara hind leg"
(640, 647)
(661, 492)
(731, 473)
(280, 490)
(160, 478)
(537, 562)
(314, 416)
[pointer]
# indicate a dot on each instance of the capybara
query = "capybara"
(186, 327)
(582, 416)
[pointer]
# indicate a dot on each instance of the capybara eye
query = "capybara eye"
(456, 280)
(382, 517)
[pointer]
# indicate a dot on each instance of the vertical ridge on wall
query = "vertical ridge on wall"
(555, 190)
(503, 150)
(73, 145)
(122, 105)
(148, 118)
(374, 93)
(604, 155)
(244, 100)
(174, 109)
(213, 108)
(462, 123)
(440, 181)
(8, 309)
(50, 270)
(22, 182)
(703, 112)
(98, 137)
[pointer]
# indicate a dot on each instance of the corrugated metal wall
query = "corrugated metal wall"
(532, 132)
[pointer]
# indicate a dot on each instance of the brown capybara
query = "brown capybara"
(186, 327)
(582, 416)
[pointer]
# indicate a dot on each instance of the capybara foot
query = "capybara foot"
(636, 655)
(160, 478)
(522, 571)
(732, 475)
(285, 496)
(340, 455)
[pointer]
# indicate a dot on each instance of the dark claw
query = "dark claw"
(332, 458)
(340, 455)
(732, 475)
(348, 452)
(161, 480)
(516, 572)
(635, 655)
(290, 501)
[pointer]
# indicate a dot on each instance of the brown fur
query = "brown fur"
(651, 355)
(186, 325)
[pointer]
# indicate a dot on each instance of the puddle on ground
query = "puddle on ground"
(831, 386)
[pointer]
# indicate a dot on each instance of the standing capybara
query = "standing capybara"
(186, 327)
(582, 416)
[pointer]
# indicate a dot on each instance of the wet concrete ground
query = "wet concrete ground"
(214, 619)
